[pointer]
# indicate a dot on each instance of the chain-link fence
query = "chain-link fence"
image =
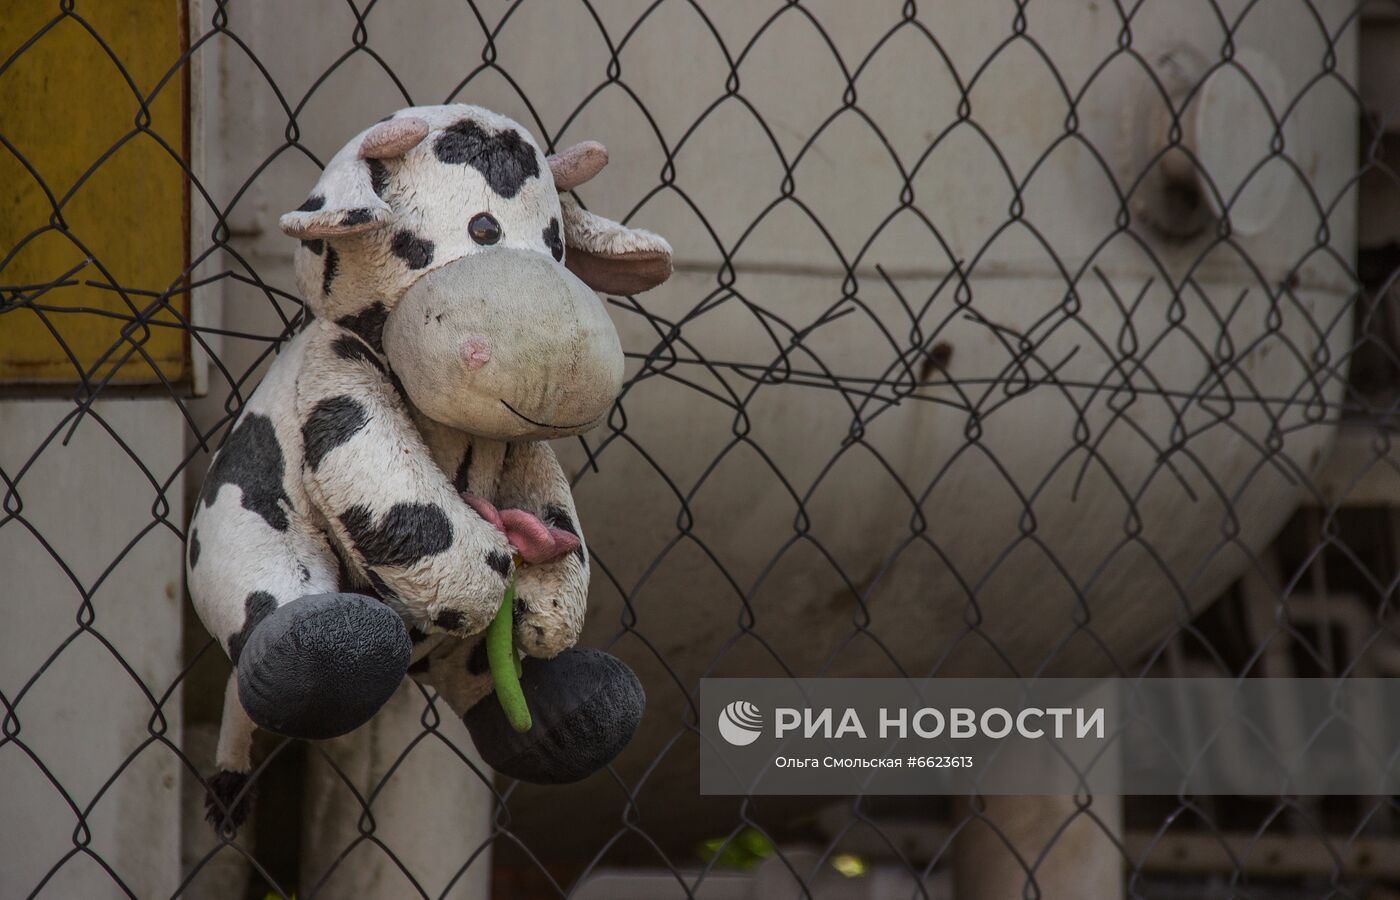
(1017, 337)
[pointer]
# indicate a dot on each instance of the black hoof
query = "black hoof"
(322, 665)
(585, 703)
(228, 800)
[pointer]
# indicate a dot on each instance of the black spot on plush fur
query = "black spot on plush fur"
(194, 548)
(398, 386)
(332, 268)
(378, 176)
(504, 159)
(251, 459)
(258, 606)
(353, 348)
(332, 422)
(417, 635)
(405, 534)
(410, 248)
(316, 246)
(356, 217)
(368, 324)
(459, 481)
(228, 800)
(519, 610)
(499, 561)
(552, 240)
(313, 203)
(381, 589)
(558, 517)
(344, 581)
(477, 661)
(448, 620)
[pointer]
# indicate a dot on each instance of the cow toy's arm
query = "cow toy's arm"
(551, 598)
(388, 504)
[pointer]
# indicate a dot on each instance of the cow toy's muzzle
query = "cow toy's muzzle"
(507, 344)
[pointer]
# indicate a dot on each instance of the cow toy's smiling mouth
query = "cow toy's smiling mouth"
(540, 339)
(521, 415)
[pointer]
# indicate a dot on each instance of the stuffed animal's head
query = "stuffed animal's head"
(440, 237)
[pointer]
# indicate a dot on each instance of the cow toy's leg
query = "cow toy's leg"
(309, 660)
(322, 665)
(456, 668)
(230, 795)
(585, 703)
(315, 668)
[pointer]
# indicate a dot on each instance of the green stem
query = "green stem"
(505, 665)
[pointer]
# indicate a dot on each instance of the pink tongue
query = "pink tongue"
(485, 510)
(535, 541)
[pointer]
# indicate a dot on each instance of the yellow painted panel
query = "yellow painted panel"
(64, 106)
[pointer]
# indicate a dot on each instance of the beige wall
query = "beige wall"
(82, 697)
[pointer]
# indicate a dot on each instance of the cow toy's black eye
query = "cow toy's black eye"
(484, 228)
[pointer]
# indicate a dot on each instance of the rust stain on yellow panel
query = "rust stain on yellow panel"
(64, 105)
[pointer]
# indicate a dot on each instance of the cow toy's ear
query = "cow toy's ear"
(344, 200)
(605, 255)
(610, 257)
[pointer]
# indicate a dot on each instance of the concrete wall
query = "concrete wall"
(82, 681)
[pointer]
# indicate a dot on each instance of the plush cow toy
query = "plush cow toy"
(390, 475)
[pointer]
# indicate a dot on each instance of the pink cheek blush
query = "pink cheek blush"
(475, 352)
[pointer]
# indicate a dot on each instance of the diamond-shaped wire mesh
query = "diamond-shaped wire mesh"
(1014, 337)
